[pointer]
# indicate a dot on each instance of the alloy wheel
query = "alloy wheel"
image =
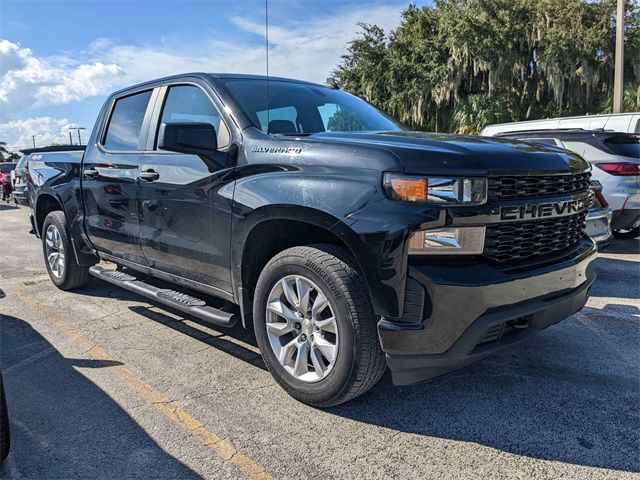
(302, 328)
(54, 251)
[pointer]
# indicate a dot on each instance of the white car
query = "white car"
(616, 122)
(616, 160)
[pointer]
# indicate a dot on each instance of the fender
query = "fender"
(328, 201)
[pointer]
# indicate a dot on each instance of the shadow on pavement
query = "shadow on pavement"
(617, 279)
(62, 424)
(570, 394)
(622, 246)
(216, 341)
(8, 206)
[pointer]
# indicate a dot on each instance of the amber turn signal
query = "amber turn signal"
(408, 189)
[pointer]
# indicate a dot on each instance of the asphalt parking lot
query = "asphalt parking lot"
(102, 384)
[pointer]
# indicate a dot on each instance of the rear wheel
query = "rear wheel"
(61, 263)
(315, 325)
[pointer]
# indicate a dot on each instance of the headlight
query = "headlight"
(448, 241)
(436, 190)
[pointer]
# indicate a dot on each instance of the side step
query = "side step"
(178, 300)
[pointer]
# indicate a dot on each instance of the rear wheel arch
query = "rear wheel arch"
(45, 204)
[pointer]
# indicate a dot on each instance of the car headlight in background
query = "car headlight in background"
(436, 190)
(447, 241)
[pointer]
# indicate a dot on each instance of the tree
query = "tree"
(6, 155)
(460, 64)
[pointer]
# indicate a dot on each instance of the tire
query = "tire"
(358, 361)
(66, 274)
(5, 437)
(624, 233)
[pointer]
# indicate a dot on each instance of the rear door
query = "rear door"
(185, 203)
(110, 176)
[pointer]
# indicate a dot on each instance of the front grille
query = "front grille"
(521, 240)
(508, 187)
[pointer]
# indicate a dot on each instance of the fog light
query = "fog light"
(448, 241)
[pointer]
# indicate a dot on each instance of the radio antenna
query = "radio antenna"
(266, 45)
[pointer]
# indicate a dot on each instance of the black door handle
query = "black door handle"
(149, 175)
(91, 172)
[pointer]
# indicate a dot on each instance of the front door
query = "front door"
(110, 176)
(185, 204)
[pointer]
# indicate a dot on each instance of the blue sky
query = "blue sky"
(59, 59)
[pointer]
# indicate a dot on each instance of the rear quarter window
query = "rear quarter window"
(625, 145)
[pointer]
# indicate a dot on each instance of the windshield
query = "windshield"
(299, 108)
(7, 167)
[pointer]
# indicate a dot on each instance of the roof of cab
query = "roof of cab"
(212, 76)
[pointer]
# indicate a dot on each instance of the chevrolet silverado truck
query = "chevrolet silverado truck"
(346, 241)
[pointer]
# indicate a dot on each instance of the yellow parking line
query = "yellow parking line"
(247, 466)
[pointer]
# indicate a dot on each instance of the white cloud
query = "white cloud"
(48, 131)
(306, 50)
(29, 81)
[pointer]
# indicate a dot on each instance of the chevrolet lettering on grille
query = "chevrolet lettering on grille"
(543, 210)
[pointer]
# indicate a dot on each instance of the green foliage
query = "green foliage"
(6, 155)
(460, 64)
(630, 100)
(479, 109)
(344, 121)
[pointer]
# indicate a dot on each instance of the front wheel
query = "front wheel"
(64, 270)
(315, 325)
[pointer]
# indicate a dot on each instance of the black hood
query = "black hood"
(433, 153)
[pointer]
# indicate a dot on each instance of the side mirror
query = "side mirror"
(193, 138)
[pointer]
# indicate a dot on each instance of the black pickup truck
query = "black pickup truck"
(347, 242)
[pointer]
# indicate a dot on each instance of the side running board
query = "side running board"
(178, 300)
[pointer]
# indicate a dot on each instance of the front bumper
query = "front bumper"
(457, 314)
(598, 226)
(21, 195)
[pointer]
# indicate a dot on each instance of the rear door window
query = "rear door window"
(125, 124)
